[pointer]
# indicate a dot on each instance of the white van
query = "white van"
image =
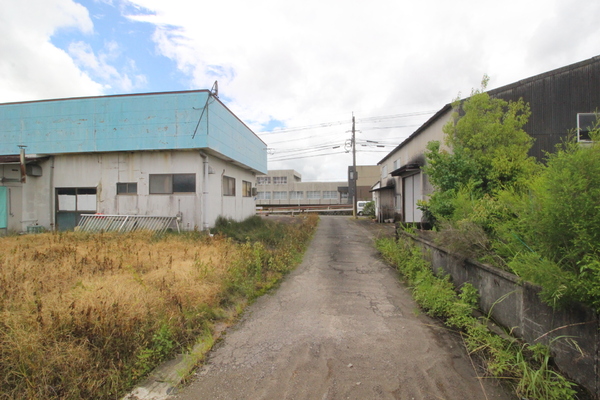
(360, 205)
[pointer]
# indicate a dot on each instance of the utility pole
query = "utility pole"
(353, 183)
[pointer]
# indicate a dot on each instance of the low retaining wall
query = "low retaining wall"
(571, 333)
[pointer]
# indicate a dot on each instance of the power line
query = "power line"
(334, 123)
(308, 137)
(297, 158)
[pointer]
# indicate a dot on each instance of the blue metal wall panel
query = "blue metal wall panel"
(158, 121)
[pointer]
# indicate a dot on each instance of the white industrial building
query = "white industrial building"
(181, 155)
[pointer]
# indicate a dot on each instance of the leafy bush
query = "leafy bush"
(489, 151)
(369, 209)
(492, 202)
(561, 227)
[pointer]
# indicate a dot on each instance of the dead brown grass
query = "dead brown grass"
(85, 316)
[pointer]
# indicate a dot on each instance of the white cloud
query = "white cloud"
(315, 61)
(30, 66)
(306, 62)
(99, 66)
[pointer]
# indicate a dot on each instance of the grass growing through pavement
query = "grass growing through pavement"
(527, 366)
(85, 316)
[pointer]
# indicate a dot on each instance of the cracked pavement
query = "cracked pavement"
(341, 326)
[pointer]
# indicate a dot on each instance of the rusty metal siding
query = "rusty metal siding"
(555, 99)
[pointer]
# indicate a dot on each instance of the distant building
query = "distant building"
(284, 187)
(367, 176)
(172, 154)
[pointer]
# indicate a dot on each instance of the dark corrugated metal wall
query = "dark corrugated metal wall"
(555, 99)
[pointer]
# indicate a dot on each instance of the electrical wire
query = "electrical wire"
(310, 156)
(334, 123)
(317, 150)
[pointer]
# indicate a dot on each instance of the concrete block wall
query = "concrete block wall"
(572, 333)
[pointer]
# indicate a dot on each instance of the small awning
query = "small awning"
(407, 170)
(379, 189)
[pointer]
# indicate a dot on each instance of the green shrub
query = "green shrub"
(369, 209)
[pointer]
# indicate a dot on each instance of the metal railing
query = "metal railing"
(321, 209)
(125, 223)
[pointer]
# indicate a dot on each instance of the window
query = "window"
(280, 180)
(263, 196)
(172, 183)
(76, 199)
(396, 164)
(263, 180)
(344, 196)
(246, 189)
(384, 172)
(126, 188)
(585, 124)
(330, 194)
(279, 195)
(228, 186)
(312, 194)
(296, 195)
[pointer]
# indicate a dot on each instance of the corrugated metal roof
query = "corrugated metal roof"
(555, 98)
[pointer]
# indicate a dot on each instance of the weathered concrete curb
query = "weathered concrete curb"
(166, 377)
(572, 333)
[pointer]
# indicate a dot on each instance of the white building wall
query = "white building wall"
(34, 201)
(27, 203)
(412, 151)
(294, 183)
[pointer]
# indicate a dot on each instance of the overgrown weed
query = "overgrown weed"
(527, 365)
(85, 316)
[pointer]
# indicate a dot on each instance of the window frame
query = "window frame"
(583, 132)
(313, 194)
(169, 185)
(228, 186)
(263, 180)
(277, 192)
(246, 189)
(130, 189)
(263, 195)
(330, 195)
(280, 180)
(73, 199)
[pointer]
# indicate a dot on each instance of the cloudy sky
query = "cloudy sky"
(295, 72)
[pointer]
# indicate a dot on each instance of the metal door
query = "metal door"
(412, 194)
(3, 207)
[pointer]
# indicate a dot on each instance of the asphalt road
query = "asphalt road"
(341, 326)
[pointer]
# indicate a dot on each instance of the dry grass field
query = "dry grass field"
(85, 316)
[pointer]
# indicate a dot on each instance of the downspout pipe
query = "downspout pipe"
(204, 191)
(52, 191)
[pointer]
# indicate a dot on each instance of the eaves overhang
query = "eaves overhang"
(407, 170)
(380, 189)
(16, 159)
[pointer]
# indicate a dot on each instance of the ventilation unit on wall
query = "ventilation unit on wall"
(586, 122)
(33, 170)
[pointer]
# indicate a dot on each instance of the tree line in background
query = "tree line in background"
(495, 203)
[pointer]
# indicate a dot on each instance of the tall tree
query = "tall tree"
(488, 150)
